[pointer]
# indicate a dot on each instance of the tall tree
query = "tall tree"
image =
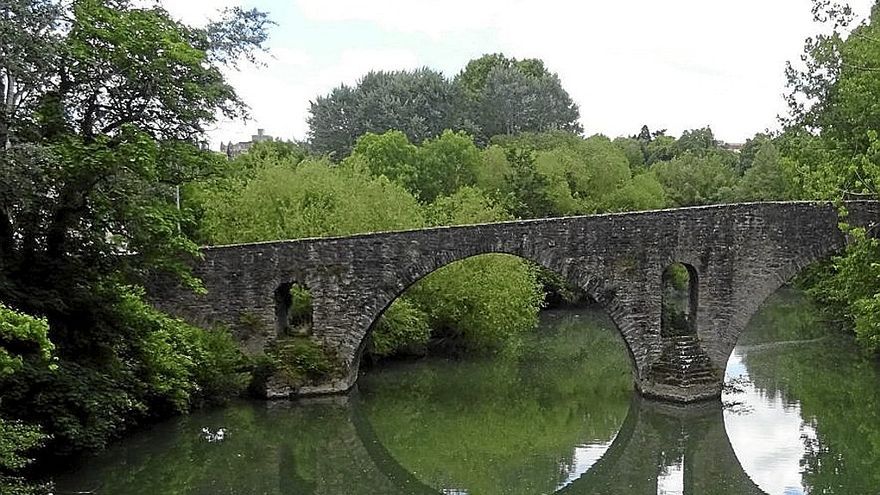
(29, 48)
(476, 73)
(513, 101)
(833, 92)
(96, 145)
(421, 104)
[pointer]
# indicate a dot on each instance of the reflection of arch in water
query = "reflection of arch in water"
(653, 434)
(664, 433)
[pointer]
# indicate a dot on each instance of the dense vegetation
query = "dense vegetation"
(104, 106)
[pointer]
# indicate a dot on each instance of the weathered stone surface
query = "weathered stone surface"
(740, 254)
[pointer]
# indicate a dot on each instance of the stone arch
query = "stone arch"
(293, 309)
(595, 286)
(764, 282)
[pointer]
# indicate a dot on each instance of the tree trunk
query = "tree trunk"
(4, 116)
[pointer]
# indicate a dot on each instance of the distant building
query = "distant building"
(233, 150)
(734, 147)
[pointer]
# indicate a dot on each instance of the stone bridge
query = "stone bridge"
(736, 256)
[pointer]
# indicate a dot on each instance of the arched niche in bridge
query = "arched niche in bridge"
(293, 309)
(680, 295)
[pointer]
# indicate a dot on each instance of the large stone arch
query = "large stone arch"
(593, 286)
(775, 263)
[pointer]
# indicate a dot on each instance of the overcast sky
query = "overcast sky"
(677, 64)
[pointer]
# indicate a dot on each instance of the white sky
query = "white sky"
(676, 64)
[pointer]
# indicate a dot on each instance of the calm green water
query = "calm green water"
(802, 415)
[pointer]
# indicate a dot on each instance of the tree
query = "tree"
(634, 149)
(750, 149)
(391, 155)
(768, 178)
(22, 337)
(696, 141)
(445, 164)
(29, 47)
(690, 180)
(512, 102)
(97, 144)
(421, 104)
(476, 73)
(833, 93)
(440, 166)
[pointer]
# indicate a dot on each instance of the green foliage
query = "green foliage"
(21, 337)
(421, 104)
(492, 95)
(559, 173)
(660, 149)
(849, 287)
(446, 163)
(300, 360)
(494, 171)
(468, 205)
(832, 138)
(690, 179)
(750, 149)
(634, 151)
(696, 141)
(182, 365)
(111, 101)
(643, 192)
(475, 75)
(513, 101)
(482, 303)
(404, 327)
(390, 155)
(769, 177)
(29, 49)
(526, 189)
(16, 438)
(438, 167)
(834, 93)
(300, 305)
(314, 199)
(149, 365)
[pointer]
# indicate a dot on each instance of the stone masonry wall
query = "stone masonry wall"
(741, 253)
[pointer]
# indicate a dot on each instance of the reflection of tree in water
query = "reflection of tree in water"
(835, 386)
(506, 425)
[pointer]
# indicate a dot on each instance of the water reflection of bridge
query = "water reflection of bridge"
(658, 445)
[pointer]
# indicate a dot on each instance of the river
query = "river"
(800, 414)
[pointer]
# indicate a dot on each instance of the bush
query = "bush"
(299, 361)
(157, 366)
(404, 326)
(21, 336)
(481, 303)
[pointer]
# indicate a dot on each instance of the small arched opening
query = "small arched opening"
(293, 310)
(680, 294)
